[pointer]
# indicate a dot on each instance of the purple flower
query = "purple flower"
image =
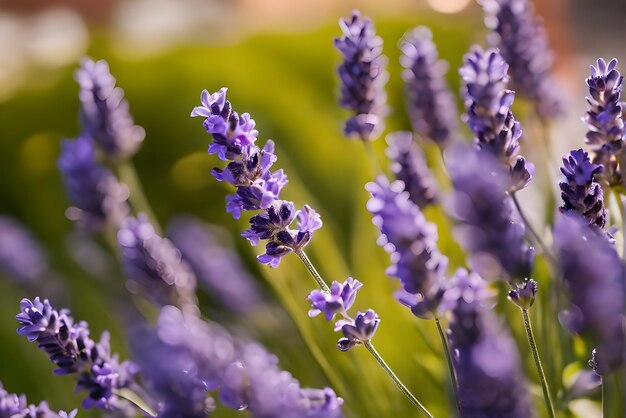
(338, 301)
(431, 105)
(104, 111)
(487, 226)
(523, 295)
(154, 265)
(363, 77)
(21, 256)
(593, 274)
(359, 331)
(70, 348)
(97, 196)
(489, 113)
(485, 357)
(580, 192)
(522, 41)
(409, 166)
(252, 166)
(15, 406)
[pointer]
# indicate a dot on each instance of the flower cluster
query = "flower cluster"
(430, 103)
(363, 77)
(258, 188)
(15, 406)
(73, 352)
(21, 256)
(522, 41)
(338, 301)
(104, 111)
(489, 113)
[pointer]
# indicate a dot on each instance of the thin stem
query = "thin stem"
(446, 350)
(535, 235)
(128, 175)
(372, 156)
(605, 399)
(397, 381)
(307, 263)
(542, 376)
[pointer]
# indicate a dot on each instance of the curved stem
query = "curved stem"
(542, 376)
(535, 235)
(128, 176)
(446, 350)
(397, 381)
(307, 263)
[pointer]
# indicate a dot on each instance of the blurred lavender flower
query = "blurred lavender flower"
(487, 227)
(15, 406)
(97, 196)
(21, 256)
(218, 268)
(407, 163)
(104, 111)
(412, 243)
(70, 348)
(593, 273)
(154, 264)
(489, 113)
(580, 192)
(522, 41)
(363, 77)
(431, 105)
(485, 357)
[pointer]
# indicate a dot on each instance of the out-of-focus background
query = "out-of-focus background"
(278, 60)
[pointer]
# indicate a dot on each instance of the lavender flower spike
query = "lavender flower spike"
(580, 192)
(70, 348)
(104, 111)
(338, 301)
(97, 196)
(522, 41)
(431, 105)
(363, 77)
(21, 256)
(15, 406)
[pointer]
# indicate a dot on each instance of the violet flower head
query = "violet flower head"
(487, 226)
(104, 111)
(73, 352)
(431, 105)
(485, 357)
(522, 41)
(21, 256)
(358, 331)
(98, 198)
(15, 406)
(593, 273)
(489, 113)
(409, 166)
(363, 77)
(338, 301)
(154, 265)
(218, 268)
(523, 295)
(580, 191)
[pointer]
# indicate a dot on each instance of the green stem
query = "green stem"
(529, 227)
(397, 381)
(446, 350)
(542, 376)
(128, 176)
(307, 263)
(372, 156)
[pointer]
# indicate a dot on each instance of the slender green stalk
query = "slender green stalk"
(605, 398)
(397, 381)
(307, 263)
(372, 156)
(128, 175)
(542, 377)
(544, 248)
(446, 350)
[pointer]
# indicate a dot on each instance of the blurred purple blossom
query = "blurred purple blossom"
(15, 406)
(21, 255)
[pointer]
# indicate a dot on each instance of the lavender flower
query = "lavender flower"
(154, 264)
(580, 192)
(15, 406)
(523, 295)
(363, 77)
(104, 111)
(593, 274)
(338, 301)
(489, 113)
(21, 256)
(430, 103)
(487, 227)
(359, 330)
(522, 41)
(218, 268)
(485, 357)
(70, 348)
(98, 198)
(409, 166)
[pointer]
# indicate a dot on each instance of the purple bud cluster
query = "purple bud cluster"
(363, 77)
(522, 41)
(412, 243)
(16, 406)
(73, 352)
(431, 105)
(489, 113)
(21, 256)
(104, 111)
(338, 301)
(258, 188)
